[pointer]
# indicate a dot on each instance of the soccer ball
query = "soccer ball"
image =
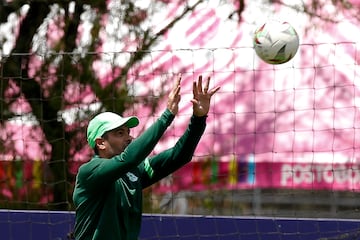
(276, 42)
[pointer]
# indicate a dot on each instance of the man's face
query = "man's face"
(115, 141)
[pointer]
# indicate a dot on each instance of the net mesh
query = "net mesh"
(281, 140)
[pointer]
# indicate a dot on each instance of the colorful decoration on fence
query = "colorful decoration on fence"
(25, 182)
(29, 180)
(246, 173)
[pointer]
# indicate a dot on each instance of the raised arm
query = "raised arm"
(170, 160)
(99, 172)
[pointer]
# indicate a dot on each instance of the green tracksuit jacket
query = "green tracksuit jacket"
(108, 192)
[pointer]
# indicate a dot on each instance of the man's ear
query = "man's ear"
(100, 143)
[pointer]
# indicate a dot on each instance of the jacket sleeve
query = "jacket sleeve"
(100, 172)
(159, 166)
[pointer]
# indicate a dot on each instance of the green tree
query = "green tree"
(68, 65)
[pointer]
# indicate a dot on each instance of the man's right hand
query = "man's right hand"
(174, 97)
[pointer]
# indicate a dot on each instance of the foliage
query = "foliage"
(49, 60)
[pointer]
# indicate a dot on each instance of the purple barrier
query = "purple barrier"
(29, 225)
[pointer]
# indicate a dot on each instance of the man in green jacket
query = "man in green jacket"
(108, 189)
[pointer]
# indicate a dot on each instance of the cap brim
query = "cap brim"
(129, 122)
(132, 122)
